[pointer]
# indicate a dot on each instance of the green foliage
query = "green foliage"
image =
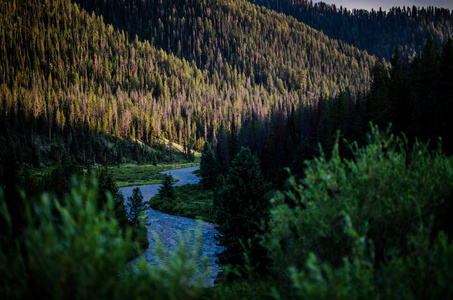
(119, 210)
(107, 187)
(258, 288)
(75, 250)
(191, 201)
(136, 208)
(167, 190)
(106, 184)
(353, 280)
(220, 182)
(345, 229)
(58, 177)
(137, 217)
(166, 199)
(240, 212)
(208, 167)
(169, 206)
(129, 175)
(423, 273)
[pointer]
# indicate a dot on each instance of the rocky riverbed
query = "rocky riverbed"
(169, 227)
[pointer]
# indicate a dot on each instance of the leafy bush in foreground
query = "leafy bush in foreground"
(73, 250)
(370, 227)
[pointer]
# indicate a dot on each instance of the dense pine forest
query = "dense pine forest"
(377, 32)
(112, 82)
(325, 140)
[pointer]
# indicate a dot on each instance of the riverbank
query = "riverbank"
(168, 227)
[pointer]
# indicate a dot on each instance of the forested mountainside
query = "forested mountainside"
(377, 32)
(66, 74)
(225, 37)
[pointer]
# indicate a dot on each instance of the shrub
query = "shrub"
(380, 200)
(77, 251)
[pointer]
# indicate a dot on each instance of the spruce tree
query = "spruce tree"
(167, 190)
(377, 100)
(119, 209)
(108, 185)
(398, 94)
(136, 208)
(240, 209)
(208, 167)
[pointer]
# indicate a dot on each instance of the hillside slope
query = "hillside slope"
(227, 37)
(66, 76)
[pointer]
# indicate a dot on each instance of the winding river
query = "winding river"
(168, 227)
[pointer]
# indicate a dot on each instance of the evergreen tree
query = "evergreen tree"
(119, 209)
(377, 104)
(136, 208)
(240, 209)
(233, 141)
(59, 177)
(398, 94)
(167, 190)
(208, 167)
(107, 185)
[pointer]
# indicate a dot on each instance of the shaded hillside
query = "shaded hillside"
(377, 32)
(416, 98)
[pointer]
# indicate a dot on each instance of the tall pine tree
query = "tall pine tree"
(167, 190)
(136, 208)
(208, 167)
(240, 209)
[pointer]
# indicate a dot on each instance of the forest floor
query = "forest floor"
(170, 228)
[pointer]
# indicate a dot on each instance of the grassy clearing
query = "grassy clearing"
(192, 201)
(128, 175)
